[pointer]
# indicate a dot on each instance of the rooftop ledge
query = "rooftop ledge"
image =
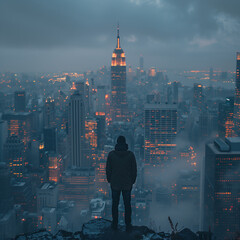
(100, 229)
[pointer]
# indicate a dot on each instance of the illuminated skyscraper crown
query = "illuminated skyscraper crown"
(118, 56)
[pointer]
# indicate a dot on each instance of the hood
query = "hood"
(121, 147)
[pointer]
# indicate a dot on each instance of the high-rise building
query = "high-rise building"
(7, 212)
(207, 122)
(77, 131)
(3, 137)
(2, 102)
(160, 132)
(19, 124)
(6, 201)
(50, 139)
(91, 133)
(118, 84)
(101, 183)
(221, 209)
(77, 185)
(84, 90)
(100, 99)
(225, 118)
(47, 196)
(20, 101)
(49, 113)
(198, 96)
(14, 156)
(237, 98)
(101, 137)
(54, 166)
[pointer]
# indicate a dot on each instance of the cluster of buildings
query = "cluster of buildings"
(56, 131)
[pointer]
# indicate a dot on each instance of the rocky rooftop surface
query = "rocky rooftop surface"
(100, 229)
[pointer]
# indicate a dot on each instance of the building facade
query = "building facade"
(237, 98)
(76, 131)
(160, 121)
(221, 209)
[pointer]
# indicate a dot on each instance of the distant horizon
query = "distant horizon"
(233, 71)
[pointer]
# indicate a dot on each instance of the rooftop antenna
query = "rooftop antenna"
(118, 37)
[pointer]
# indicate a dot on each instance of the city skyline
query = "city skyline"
(159, 112)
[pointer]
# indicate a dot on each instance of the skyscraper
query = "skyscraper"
(198, 96)
(20, 101)
(237, 98)
(118, 83)
(76, 132)
(14, 156)
(49, 113)
(225, 118)
(221, 209)
(19, 124)
(3, 137)
(50, 139)
(160, 132)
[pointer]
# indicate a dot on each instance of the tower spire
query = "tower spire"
(118, 37)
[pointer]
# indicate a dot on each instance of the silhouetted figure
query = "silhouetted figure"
(121, 173)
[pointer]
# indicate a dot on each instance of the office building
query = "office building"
(225, 118)
(237, 98)
(198, 98)
(6, 201)
(54, 166)
(160, 131)
(50, 139)
(47, 196)
(49, 113)
(100, 99)
(76, 131)
(101, 137)
(20, 101)
(77, 185)
(14, 156)
(221, 209)
(3, 137)
(7, 213)
(19, 124)
(91, 133)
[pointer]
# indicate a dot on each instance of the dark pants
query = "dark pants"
(127, 204)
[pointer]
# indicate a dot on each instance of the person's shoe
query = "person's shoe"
(129, 228)
(114, 226)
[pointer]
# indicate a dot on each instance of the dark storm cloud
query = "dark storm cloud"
(154, 26)
(34, 23)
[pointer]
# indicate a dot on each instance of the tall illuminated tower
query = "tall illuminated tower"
(118, 83)
(237, 98)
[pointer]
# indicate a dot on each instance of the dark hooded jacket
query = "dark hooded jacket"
(121, 168)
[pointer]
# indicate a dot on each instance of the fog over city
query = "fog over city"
(137, 98)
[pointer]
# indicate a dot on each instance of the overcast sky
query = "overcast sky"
(79, 35)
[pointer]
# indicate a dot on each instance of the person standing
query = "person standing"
(121, 171)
